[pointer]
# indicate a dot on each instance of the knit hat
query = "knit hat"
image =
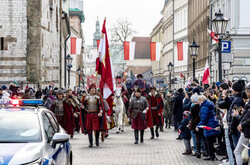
(237, 87)
(180, 90)
(194, 98)
(4, 87)
(248, 86)
(196, 90)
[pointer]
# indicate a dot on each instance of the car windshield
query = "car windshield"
(19, 128)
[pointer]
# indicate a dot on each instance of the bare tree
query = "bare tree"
(120, 32)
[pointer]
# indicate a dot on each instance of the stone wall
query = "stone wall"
(13, 30)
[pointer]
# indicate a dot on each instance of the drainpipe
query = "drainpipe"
(65, 46)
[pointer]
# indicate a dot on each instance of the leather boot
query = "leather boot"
(142, 134)
(90, 139)
(156, 131)
(97, 138)
(152, 133)
(136, 132)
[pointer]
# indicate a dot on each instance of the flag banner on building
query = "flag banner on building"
(182, 50)
(98, 43)
(155, 51)
(206, 74)
(129, 50)
(104, 65)
(213, 35)
(75, 45)
(181, 75)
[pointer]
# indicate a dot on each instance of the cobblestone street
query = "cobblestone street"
(119, 149)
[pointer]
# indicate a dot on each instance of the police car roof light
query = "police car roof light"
(28, 102)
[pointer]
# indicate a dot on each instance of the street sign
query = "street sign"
(226, 66)
(226, 57)
(226, 46)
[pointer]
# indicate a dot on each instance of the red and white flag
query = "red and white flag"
(75, 45)
(206, 74)
(98, 43)
(104, 65)
(129, 50)
(155, 51)
(205, 127)
(213, 35)
(182, 50)
(181, 75)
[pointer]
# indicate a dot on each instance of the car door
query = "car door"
(55, 155)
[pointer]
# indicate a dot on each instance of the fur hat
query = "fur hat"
(138, 90)
(152, 88)
(237, 87)
(92, 86)
(60, 92)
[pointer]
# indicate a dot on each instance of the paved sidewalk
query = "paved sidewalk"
(119, 149)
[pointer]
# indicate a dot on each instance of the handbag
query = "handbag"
(244, 155)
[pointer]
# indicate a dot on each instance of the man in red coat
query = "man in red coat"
(70, 113)
(93, 117)
(154, 115)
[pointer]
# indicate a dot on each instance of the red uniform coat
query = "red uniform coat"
(153, 117)
(91, 121)
(69, 119)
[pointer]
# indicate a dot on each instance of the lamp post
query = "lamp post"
(69, 66)
(79, 71)
(151, 77)
(194, 48)
(170, 69)
(219, 23)
(83, 80)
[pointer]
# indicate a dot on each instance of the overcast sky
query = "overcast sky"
(143, 14)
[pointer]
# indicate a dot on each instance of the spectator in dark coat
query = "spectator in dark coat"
(185, 133)
(178, 108)
(207, 116)
(237, 102)
(244, 128)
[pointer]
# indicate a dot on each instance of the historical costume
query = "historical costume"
(154, 115)
(138, 108)
(124, 91)
(57, 108)
(71, 111)
(139, 83)
(93, 117)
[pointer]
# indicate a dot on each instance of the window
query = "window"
(48, 128)
(53, 122)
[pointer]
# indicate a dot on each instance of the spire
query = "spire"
(97, 34)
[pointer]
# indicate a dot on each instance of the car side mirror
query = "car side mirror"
(59, 138)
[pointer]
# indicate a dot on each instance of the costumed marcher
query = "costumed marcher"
(138, 108)
(70, 106)
(57, 108)
(93, 117)
(124, 90)
(154, 115)
(139, 83)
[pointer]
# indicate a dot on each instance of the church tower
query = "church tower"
(97, 34)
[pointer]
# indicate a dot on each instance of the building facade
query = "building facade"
(30, 42)
(198, 23)
(238, 33)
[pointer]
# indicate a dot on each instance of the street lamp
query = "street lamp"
(170, 69)
(83, 80)
(194, 53)
(151, 77)
(219, 23)
(69, 65)
(80, 71)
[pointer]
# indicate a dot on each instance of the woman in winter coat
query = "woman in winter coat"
(194, 121)
(210, 124)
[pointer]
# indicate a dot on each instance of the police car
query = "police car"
(30, 134)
